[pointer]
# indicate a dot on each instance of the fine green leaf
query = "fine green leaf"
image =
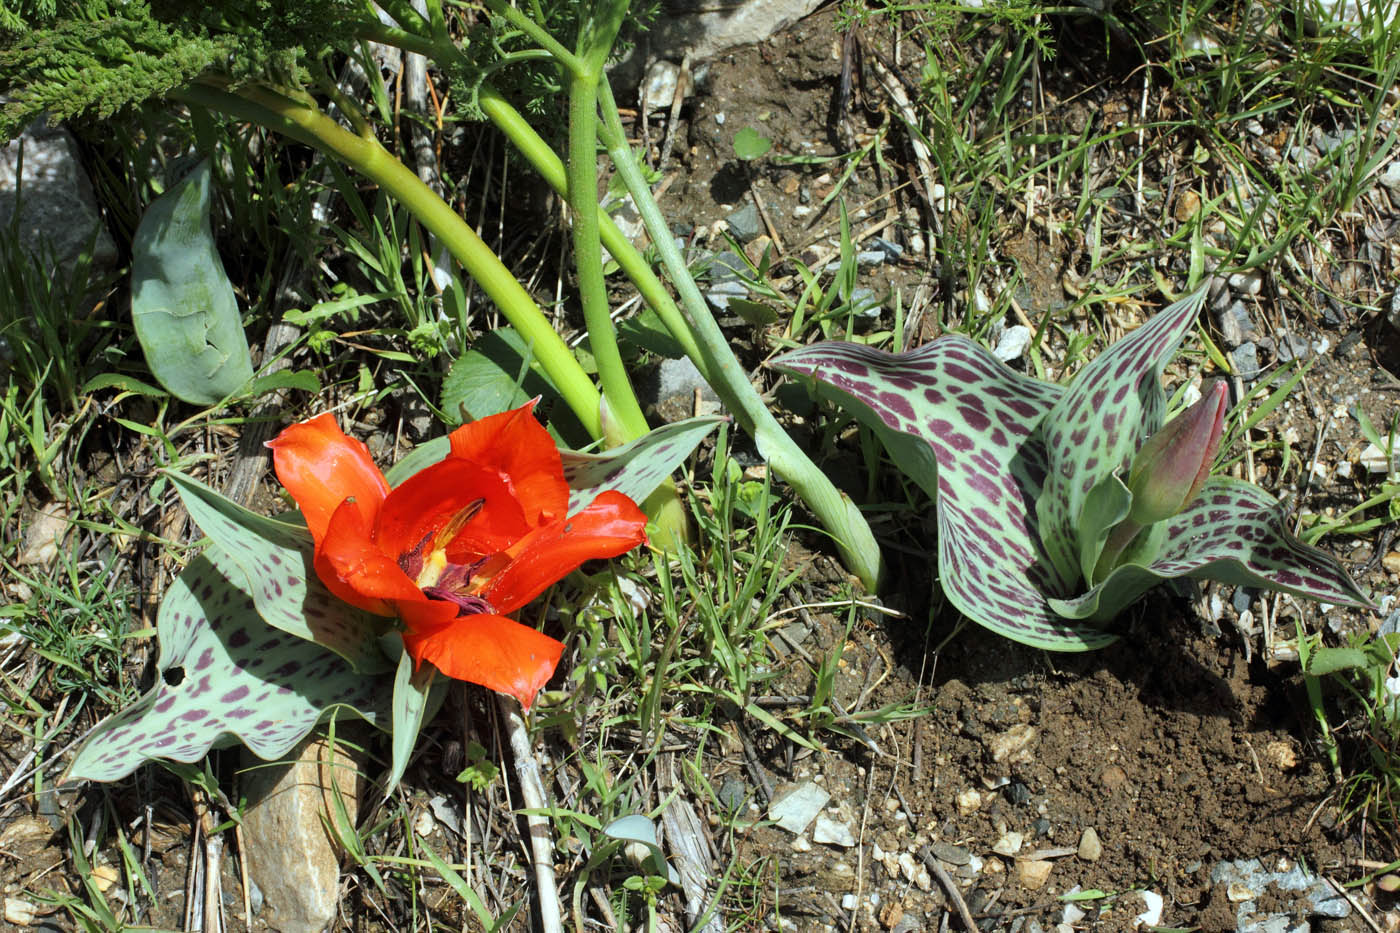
(415, 695)
(272, 562)
(750, 144)
(182, 303)
(495, 375)
(224, 676)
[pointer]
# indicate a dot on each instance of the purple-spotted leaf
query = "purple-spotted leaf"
(965, 427)
(1236, 533)
(224, 675)
(271, 561)
(635, 469)
(1114, 404)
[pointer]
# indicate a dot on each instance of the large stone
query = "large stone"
(701, 30)
(57, 209)
(292, 858)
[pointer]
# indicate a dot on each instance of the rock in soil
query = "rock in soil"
(291, 858)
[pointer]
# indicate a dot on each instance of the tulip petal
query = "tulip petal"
(321, 468)
(491, 650)
(425, 502)
(354, 567)
(612, 525)
(517, 446)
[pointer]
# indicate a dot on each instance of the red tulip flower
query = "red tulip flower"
(457, 545)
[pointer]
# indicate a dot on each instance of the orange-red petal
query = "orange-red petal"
(491, 650)
(354, 567)
(518, 447)
(426, 501)
(321, 468)
(612, 525)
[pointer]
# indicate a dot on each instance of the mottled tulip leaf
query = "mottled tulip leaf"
(979, 420)
(182, 303)
(1027, 480)
(271, 561)
(224, 676)
(1113, 405)
(634, 469)
(638, 830)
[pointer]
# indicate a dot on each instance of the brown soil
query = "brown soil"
(1187, 743)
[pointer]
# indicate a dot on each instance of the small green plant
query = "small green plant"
(1058, 507)
(1365, 672)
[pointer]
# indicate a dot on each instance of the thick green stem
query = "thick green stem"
(308, 124)
(633, 264)
(836, 511)
(624, 420)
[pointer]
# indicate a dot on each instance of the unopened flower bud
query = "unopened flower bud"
(1169, 470)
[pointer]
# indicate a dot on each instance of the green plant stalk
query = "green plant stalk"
(623, 419)
(833, 509)
(307, 123)
(551, 168)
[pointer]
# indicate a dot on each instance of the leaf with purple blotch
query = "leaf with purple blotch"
(1234, 532)
(635, 469)
(1113, 405)
(271, 561)
(224, 675)
(965, 427)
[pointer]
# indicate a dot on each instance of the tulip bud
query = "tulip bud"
(1169, 470)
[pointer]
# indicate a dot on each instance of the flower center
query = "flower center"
(438, 577)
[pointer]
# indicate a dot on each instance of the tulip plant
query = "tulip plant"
(378, 586)
(1058, 507)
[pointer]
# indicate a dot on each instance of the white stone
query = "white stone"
(908, 866)
(1014, 745)
(969, 801)
(1013, 343)
(829, 832)
(795, 810)
(659, 89)
(1009, 844)
(1152, 916)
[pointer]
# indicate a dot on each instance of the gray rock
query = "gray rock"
(732, 794)
(953, 855)
(1244, 360)
(1236, 325)
(57, 209)
(1289, 347)
(1390, 178)
(672, 393)
(1317, 897)
(871, 257)
(291, 857)
(720, 292)
(744, 223)
(1243, 598)
(893, 251)
(702, 30)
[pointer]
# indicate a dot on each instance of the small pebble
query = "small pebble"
(1017, 794)
(1033, 875)
(849, 901)
(969, 801)
(829, 832)
(1391, 562)
(1009, 844)
(1089, 846)
(20, 913)
(1113, 777)
(953, 855)
(1014, 745)
(1041, 827)
(908, 866)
